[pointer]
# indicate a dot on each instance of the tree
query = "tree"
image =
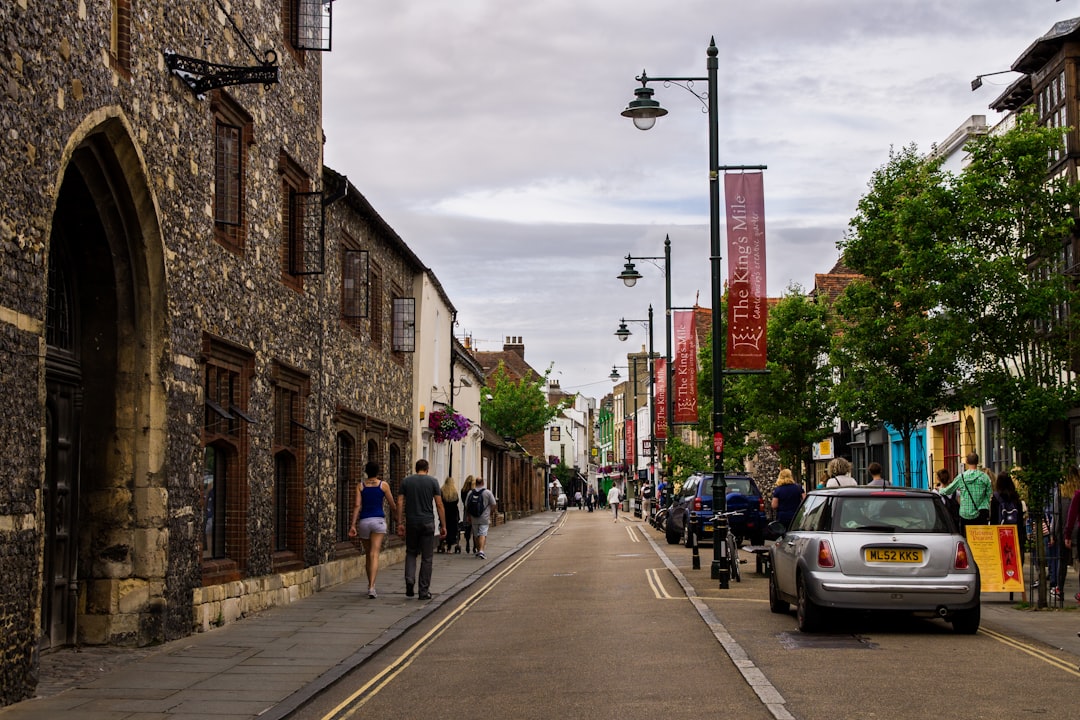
(1014, 295)
(791, 404)
(516, 409)
(898, 353)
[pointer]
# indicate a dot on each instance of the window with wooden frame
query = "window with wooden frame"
(290, 389)
(403, 321)
(354, 283)
(120, 37)
(375, 305)
(1052, 105)
(232, 136)
(224, 491)
(301, 226)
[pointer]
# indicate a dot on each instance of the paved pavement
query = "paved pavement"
(267, 665)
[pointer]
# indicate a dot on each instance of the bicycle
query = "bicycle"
(731, 546)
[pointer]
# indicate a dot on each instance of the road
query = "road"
(604, 620)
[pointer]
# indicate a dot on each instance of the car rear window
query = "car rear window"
(741, 485)
(889, 514)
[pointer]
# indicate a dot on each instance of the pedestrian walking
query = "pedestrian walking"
(416, 523)
(483, 512)
(614, 497)
(554, 491)
(786, 497)
(839, 474)
(465, 522)
(590, 498)
(450, 497)
(368, 510)
(974, 492)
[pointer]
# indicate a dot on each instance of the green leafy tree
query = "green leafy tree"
(898, 353)
(791, 405)
(1013, 293)
(516, 409)
(682, 459)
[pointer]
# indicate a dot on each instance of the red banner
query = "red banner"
(660, 398)
(685, 381)
(747, 303)
(631, 457)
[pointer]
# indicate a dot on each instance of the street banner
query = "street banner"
(685, 380)
(747, 302)
(996, 550)
(660, 398)
(628, 432)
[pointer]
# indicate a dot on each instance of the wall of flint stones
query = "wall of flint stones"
(139, 561)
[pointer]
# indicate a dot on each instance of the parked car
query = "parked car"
(693, 508)
(891, 549)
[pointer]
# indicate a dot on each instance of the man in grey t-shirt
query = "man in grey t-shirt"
(480, 523)
(416, 523)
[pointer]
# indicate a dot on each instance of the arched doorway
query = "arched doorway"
(103, 327)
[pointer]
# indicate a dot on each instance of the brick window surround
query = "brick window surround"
(293, 180)
(224, 493)
(290, 391)
(120, 37)
(233, 132)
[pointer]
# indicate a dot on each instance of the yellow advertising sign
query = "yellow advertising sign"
(996, 550)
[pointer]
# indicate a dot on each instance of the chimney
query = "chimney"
(467, 342)
(515, 344)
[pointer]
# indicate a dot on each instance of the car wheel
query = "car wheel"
(966, 622)
(775, 603)
(671, 536)
(807, 613)
(687, 536)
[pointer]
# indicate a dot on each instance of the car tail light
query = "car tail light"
(761, 504)
(697, 504)
(962, 561)
(825, 554)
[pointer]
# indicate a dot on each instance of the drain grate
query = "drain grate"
(799, 641)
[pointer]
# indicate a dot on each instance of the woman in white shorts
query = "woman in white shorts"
(368, 509)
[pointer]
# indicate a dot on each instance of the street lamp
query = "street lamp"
(630, 276)
(623, 333)
(643, 110)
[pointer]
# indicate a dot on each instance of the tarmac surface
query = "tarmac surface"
(267, 665)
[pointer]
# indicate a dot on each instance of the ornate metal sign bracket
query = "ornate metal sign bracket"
(203, 75)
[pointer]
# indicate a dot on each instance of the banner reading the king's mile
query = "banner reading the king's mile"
(660, 401)
(685, 380)
(747, 302)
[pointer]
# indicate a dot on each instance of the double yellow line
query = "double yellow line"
(348, 707)
(1032, 651)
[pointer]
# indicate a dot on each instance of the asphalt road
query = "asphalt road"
(605, 620)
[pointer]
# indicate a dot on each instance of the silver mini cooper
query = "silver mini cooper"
(864, 548)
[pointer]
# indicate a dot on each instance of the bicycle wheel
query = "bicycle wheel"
(733, 558)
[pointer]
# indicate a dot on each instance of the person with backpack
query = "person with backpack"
(481, 507)
(974, 490)
(1007, 508)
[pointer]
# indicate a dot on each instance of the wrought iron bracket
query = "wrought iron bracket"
(202, 75)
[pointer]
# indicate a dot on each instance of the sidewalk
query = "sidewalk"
(265, 665)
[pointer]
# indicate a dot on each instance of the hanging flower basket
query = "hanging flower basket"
(448, 425)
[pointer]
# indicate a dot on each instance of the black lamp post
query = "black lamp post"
(623, 333)
(630, 276)
(643, 110)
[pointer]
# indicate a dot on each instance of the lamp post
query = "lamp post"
(630, 276)
(623, 333)
(643, 110)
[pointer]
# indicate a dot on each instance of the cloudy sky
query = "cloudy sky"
(487, 133)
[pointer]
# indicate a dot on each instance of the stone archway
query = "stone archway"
(104, 505)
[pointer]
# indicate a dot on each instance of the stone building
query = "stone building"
(201, 337)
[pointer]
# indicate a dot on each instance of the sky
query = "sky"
(488, 134)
